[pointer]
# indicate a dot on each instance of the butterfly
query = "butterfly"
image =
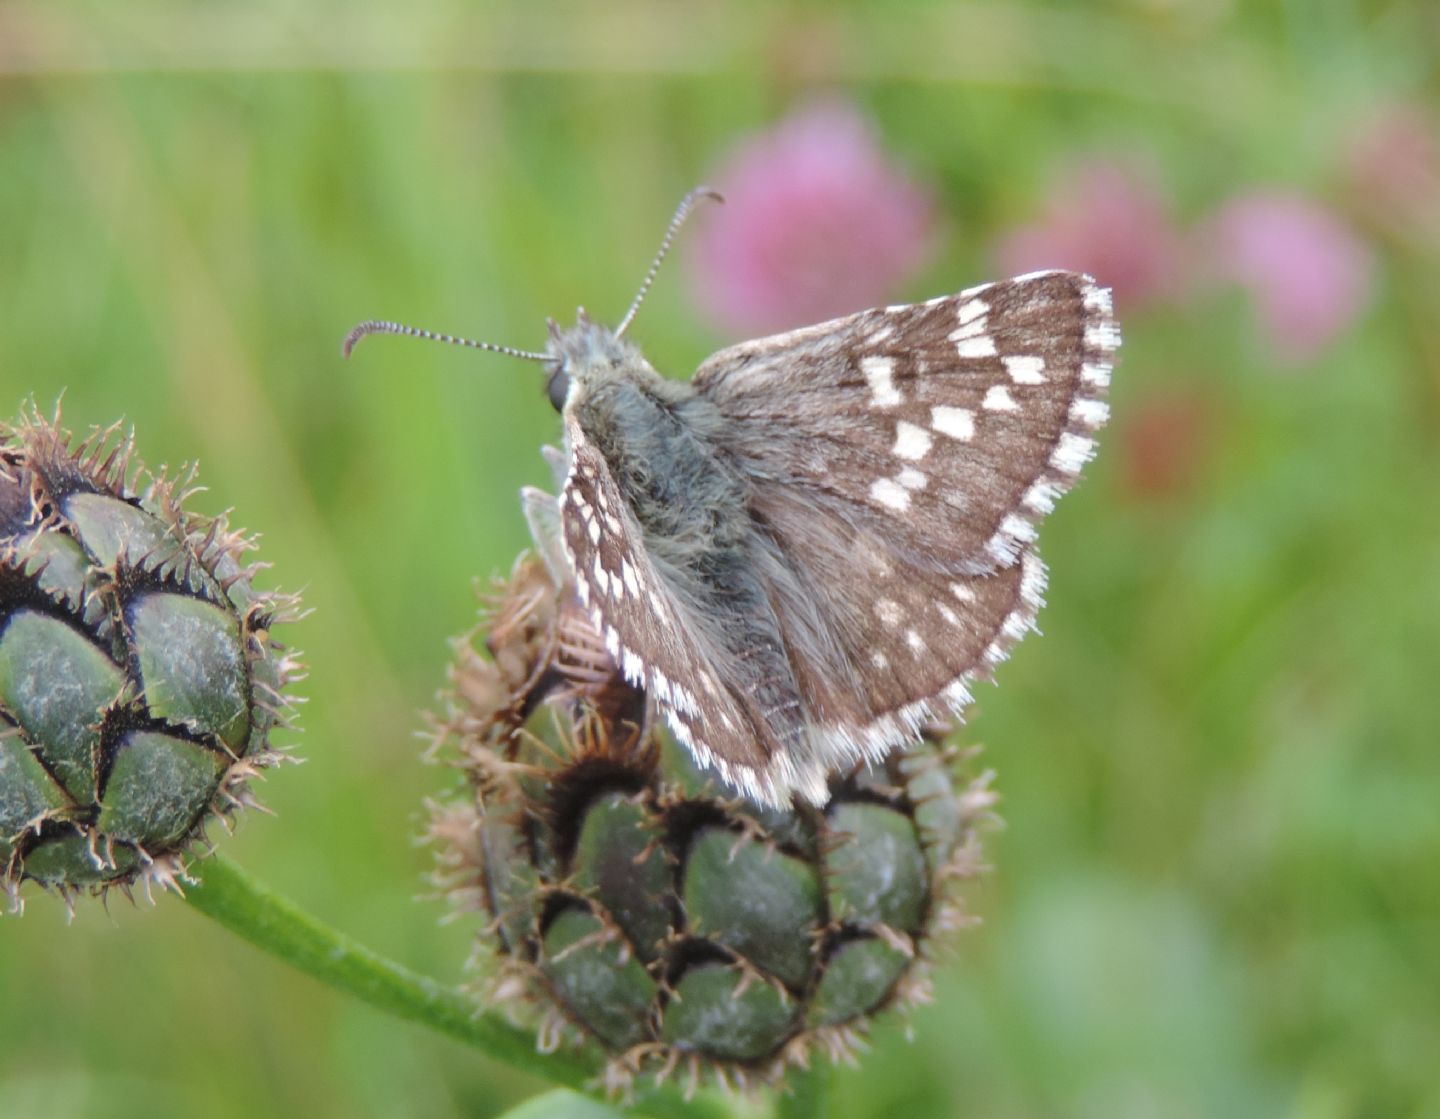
(819, 543)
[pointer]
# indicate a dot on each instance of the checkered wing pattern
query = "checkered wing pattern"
(948, 428)
(895, 464)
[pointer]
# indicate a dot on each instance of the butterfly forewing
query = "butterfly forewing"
(948, 427)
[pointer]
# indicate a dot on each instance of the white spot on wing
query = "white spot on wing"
(963, 592)
(983, 346)
(998, 399)
(1018, 528)
(878, 372)
(1102, 336)
(911, 441)
(975, 328)
(1032, 581)
(1072, 452)
(972, 309)
(1040, 498)
(1025, 370)
(685, 700)
(683, 732)
(1013, 534)
(891, 494)
(956, 694)
(958, 423)
(1098, 299)
(1089, 413)
(888, 611)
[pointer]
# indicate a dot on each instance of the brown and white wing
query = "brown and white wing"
(948, 428)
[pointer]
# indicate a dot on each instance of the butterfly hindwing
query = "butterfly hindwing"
(881, 645)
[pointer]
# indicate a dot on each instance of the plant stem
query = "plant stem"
(222, 891)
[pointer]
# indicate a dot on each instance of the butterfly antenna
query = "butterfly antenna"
(688, 203)
(374, 326)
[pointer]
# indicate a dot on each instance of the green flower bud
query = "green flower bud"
(648, 912)
(139, 682)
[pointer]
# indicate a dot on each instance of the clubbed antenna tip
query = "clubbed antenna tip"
(357, 333)
(377, 326)
(687, 204)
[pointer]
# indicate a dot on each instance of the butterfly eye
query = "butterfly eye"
(558, 388)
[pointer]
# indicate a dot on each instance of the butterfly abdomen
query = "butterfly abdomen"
(691, 507)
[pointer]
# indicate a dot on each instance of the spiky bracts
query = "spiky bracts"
(139, 682)
(644, 910)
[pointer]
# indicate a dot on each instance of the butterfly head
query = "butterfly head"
(586, 354)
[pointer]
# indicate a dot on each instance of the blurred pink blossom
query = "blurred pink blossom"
(1391, 164)
(817, 222)
(1110, 218)
(1308, 274)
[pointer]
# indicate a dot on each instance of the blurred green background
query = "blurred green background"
(1218, 890)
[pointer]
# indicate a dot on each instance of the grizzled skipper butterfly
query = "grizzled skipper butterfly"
(818, 543)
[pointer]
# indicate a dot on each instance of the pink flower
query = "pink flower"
(817, 222)
(1391, 165)
(1307, 272)
(1108, 218)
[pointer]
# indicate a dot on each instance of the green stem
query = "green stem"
(225, 893)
